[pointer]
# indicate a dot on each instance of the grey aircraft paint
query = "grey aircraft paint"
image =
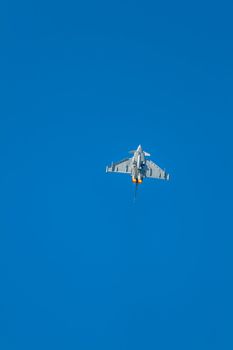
(138, 167)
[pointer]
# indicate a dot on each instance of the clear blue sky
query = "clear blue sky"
(81, 265)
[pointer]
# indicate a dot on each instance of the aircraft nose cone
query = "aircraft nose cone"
(139, 148)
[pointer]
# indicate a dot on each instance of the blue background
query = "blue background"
(82, 266)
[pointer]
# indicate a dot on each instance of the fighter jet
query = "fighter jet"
(138, 167)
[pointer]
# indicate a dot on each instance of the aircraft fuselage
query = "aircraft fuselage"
(138, 165)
